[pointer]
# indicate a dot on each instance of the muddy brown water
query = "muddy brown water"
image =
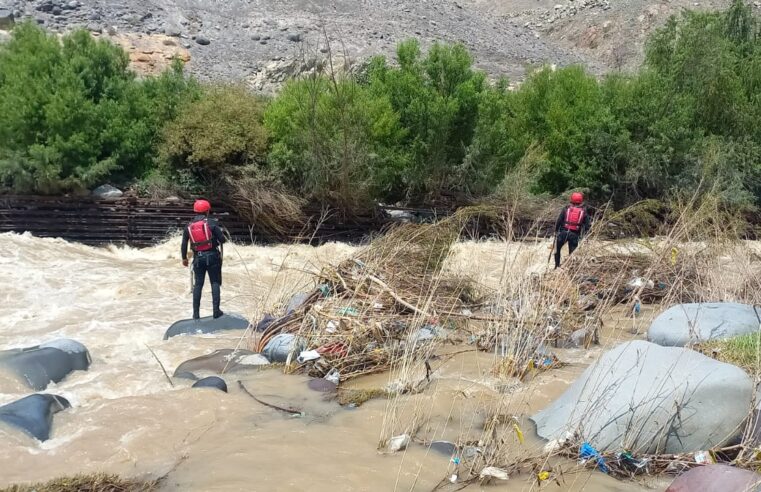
(126, 419)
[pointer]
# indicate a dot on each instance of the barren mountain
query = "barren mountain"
(264, 41)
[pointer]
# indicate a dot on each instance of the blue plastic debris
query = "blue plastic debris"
(587, 452)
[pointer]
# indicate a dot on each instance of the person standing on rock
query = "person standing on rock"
(572, 224)
(206, 239)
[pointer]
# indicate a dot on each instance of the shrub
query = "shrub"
(215, 133)
(74, 114)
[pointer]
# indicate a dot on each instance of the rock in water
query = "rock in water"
(52, 361)
(228, 321)
(716, 478)
(107, 192)
(6, 19)
(227, 360)
(211, 382)
(203, 41)
(683, 324)
(646, 398)
(34, 414)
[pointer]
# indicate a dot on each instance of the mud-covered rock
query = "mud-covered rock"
(645, 398)
(684, 324)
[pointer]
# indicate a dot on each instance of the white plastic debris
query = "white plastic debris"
(332, 326)
(308, 355)
(398, 443)
(377, 306)
(333, 376)
(494, 472)
(467, 312)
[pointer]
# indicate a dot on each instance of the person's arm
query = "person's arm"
(587, 222)
(184, 246)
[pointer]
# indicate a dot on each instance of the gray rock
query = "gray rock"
(7, 19)
(281, 346)
(56, 10)
(94, 28)
(203, 41)
(74, 4)
(107, 192)
(716, 478)
(173, 32)
(256, 37)
(224, 360)
(646, 398)
(689, 323)
(295, 37)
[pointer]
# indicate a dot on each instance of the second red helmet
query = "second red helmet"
(201, 206)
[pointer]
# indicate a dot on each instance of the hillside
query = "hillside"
(264, 41)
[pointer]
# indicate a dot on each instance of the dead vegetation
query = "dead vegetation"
(97, 482)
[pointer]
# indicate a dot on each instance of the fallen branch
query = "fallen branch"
(396, 297)
(275, 407)
(163, 369)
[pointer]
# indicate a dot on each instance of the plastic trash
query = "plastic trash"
(494, 472)
(543, 475)
(629, 462)
(398, 443)
(296, 301)
(347, 311)
(332, 326)
(324, 290)
(307, 355)
(333, 376)
(377, 306)
(703, 457)
(587, 452)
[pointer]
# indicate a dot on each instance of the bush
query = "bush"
(437, 99)
(335, 141)
(215, 133)
(73, 114)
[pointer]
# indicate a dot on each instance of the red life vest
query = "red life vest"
(574, 217)
(200, 236)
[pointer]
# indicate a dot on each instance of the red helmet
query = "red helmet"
(201, 206)
(577, 198)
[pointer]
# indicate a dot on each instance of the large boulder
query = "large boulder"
(107, 192)
(208, 324)
(50, 362)
(34, 414)
(645, 398)
(683, 324)
(716, 478)
(225, 360)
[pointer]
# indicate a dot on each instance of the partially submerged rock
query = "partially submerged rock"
(211, 382)
(40, 365)
(228, 321)
(34, 414)
(227, 360)
(716, 478)
(685, 324)
(651, 399)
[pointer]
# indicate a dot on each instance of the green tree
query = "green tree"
(437, 99)
(335, 141)
(74, 114)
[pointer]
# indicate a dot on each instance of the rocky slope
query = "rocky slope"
(264, 41)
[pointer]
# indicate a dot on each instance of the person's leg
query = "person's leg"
(561, 239)
(573, 242)
(199, 271)
(215, 277)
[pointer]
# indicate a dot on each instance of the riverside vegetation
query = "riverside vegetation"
(425, 128)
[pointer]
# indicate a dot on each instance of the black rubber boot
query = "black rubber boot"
(215, 295)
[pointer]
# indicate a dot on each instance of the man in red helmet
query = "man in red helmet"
(206, 239)
(571, 225)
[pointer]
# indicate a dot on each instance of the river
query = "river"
(126, 418)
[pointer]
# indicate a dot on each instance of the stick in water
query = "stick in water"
(286, 410)
(160, 364)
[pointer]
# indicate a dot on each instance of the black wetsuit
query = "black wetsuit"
(206, 262)
(566, 236)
